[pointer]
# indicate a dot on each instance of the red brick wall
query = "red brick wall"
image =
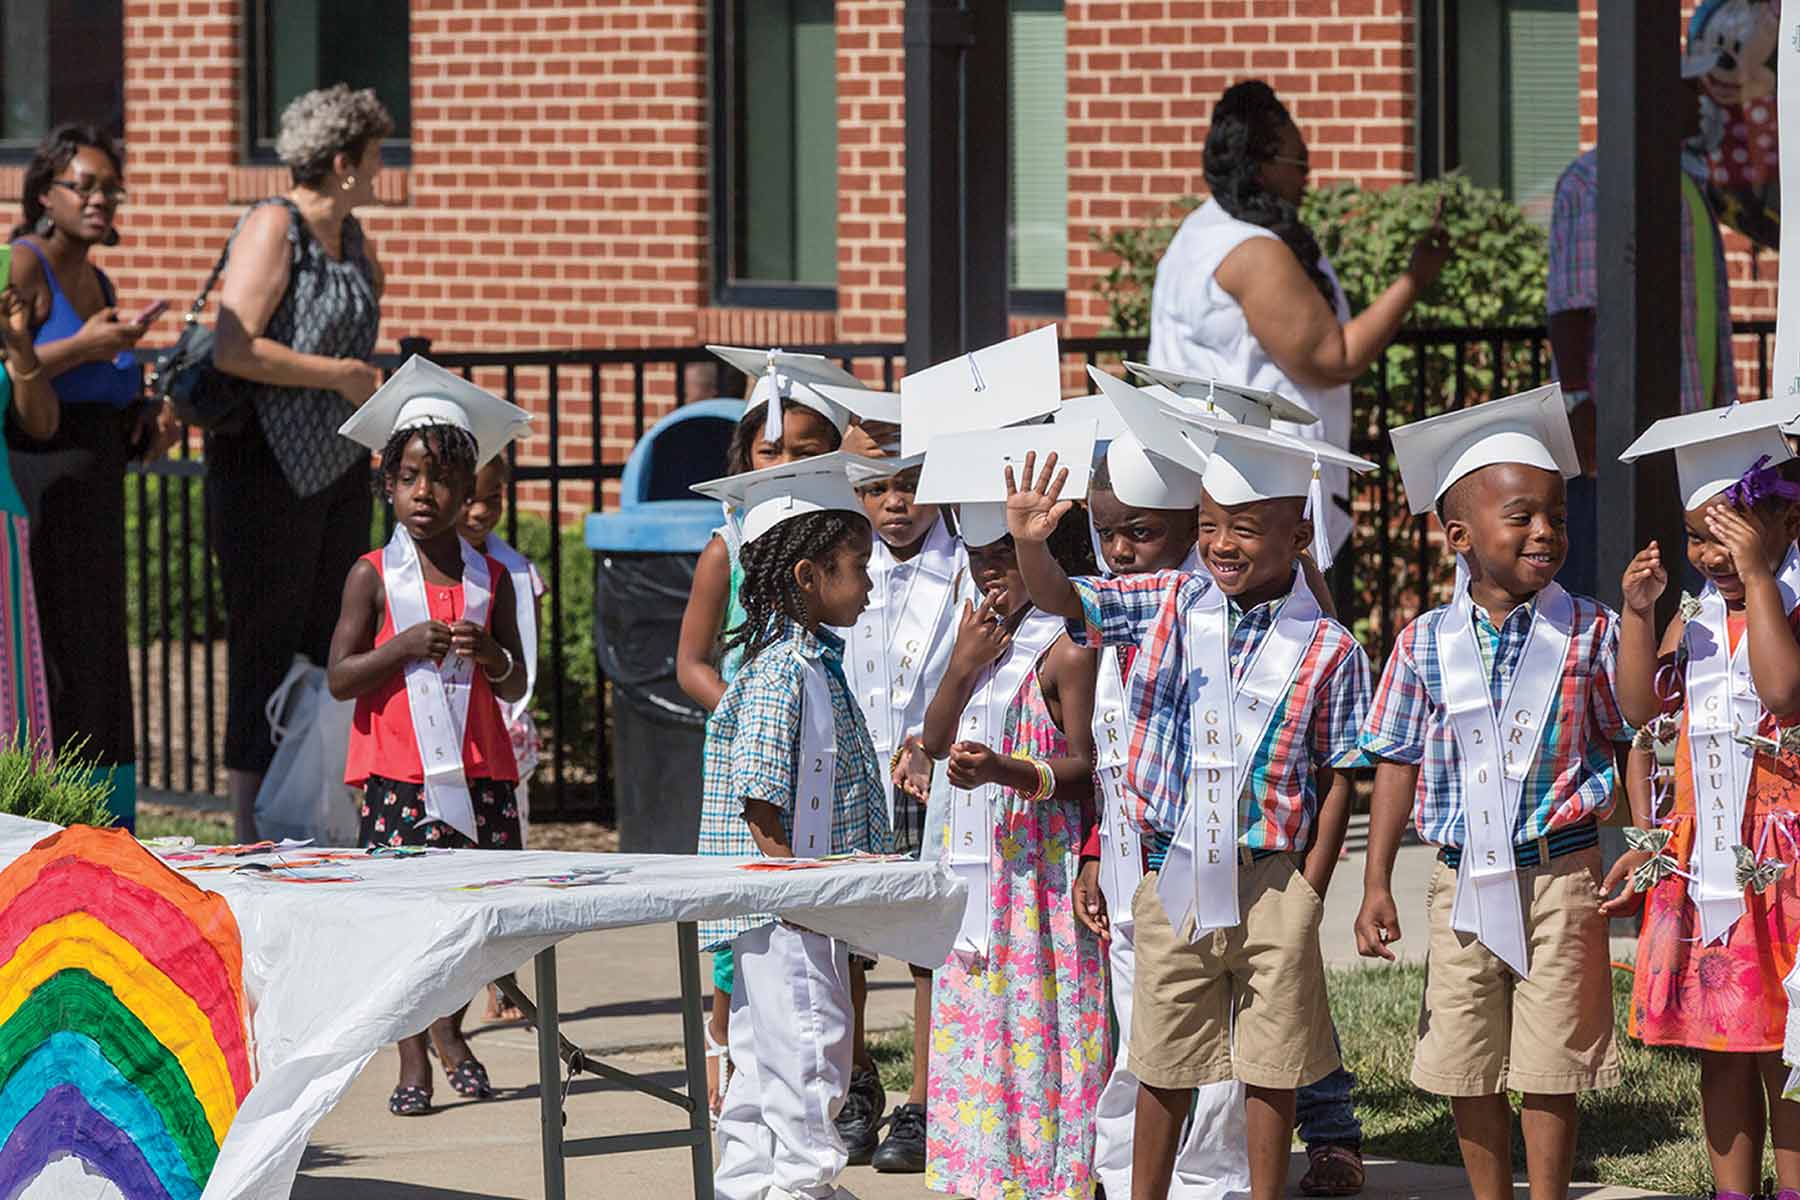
(558, 192)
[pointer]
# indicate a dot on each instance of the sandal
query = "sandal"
(1334, 1170)
(409, 1100)
(470, 1080)
(716, 1049)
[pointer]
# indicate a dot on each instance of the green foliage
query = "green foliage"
(63, 788)
(1494, 281)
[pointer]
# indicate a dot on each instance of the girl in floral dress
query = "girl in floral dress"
(1019, 1042)
(1713, 982)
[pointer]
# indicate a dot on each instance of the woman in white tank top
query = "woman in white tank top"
(1245, 294)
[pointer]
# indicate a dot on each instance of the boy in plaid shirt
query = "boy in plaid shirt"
(1495, 725)
(1230, 982)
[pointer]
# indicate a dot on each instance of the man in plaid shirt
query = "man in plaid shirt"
(1572, 298)
(1518, 988)
(1248, 1001)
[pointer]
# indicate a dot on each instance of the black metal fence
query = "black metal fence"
(595, 404)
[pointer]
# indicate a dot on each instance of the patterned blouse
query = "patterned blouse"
(753, 749)
(329, 309)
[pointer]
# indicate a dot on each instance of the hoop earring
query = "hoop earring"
(349, 182)
(45, 226)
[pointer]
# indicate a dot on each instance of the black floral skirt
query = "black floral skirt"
(393, 814)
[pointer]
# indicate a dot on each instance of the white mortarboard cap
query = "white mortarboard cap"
(871, 470)
(1716, 448)
(863, 402)
(1531, 428)
(1248, 463)
(969, 469)
(1227, 401)
(422, 393)
(1007, 383)
(1143, 479)
(791, 376)
(766, 498)
(1098, 409)
(1141, 476)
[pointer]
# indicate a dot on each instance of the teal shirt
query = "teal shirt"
(10, 500)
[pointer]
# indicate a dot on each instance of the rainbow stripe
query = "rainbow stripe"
(124, 1038)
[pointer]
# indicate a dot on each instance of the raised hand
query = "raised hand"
(1034, 510)
(1645, 580)
(1741, 533)
(981, 636)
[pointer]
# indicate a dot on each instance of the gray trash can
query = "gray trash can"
(644, 556)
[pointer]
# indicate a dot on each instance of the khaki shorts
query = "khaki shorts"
(1483, 1030)
(1265, 977)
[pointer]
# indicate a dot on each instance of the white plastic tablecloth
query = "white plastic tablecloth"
(335, 971)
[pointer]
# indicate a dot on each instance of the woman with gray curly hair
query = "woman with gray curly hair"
(288, 499)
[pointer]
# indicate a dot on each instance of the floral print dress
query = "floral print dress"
(1019, 1043)
(1728, 995)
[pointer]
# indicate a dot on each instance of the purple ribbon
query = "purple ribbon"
(1761, 482)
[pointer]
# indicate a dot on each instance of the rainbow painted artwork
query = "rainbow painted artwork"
(124, 1031)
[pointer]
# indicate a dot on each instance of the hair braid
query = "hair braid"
(769, 592)
(1245, 125)
(448, 445)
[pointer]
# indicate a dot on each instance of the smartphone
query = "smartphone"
(151, 311)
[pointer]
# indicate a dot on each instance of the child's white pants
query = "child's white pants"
(790, 1055)
(1213, 1162)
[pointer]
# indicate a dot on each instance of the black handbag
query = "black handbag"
(203, 396)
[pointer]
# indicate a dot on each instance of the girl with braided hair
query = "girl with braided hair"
(427, 644)
(1245, 295)
(790, 771)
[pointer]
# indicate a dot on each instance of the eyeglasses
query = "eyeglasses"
(88, 188)
(1305, 164)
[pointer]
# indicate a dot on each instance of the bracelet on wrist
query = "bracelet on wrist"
(503, 675)
(25, 376)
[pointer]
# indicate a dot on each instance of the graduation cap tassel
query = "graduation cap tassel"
(1315, 512)
(772, 418)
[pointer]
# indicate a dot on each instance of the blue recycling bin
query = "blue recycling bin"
(644, 556)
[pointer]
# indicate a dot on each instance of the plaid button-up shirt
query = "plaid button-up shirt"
(1572, 778)
(1574, 278)
(1315, 727)
(753, 751)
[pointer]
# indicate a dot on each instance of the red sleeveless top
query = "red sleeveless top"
(381, 735)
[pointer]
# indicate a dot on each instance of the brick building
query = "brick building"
(634, 172)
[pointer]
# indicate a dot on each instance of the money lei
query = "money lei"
(1757, 876)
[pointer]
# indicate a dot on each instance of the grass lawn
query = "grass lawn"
(1644, 1133)
(167, 820)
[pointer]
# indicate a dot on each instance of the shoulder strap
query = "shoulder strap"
(218, 268)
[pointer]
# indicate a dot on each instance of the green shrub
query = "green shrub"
(154, 539)
(1495, 281)
(63, 788)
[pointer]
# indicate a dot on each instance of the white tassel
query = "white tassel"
(1315, 512)
(772, 425)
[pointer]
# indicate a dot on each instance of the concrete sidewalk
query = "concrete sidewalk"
(620, 998)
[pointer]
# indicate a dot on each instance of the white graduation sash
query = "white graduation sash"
(1722, 705)
(1121, 851)
(518, 567)
(972, 810)
(437, 694)
(1497, 751)
(815, 796)
(888, 649)
(1227, 723)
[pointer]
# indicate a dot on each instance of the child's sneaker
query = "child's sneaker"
(860, 1118)
(902, 1152)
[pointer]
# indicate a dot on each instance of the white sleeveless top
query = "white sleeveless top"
(1196, 326)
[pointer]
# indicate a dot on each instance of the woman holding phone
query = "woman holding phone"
(73, 482)
(299, 311)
